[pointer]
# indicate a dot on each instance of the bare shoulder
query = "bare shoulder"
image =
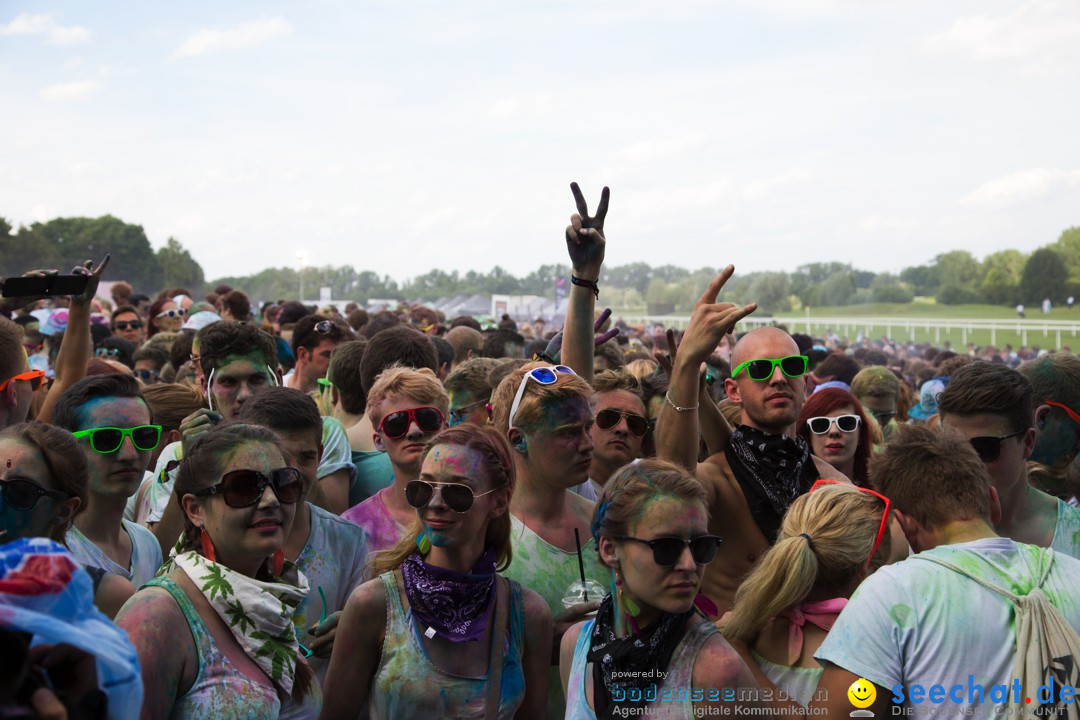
(368, 598)
(827, 471)
(152, 615)
(569, 642)
(112, 593)
(713, 476)
(535, 607)
(719, 665)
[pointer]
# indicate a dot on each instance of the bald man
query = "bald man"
(765, 465)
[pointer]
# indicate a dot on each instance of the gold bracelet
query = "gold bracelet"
(667, 396)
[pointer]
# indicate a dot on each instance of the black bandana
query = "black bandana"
(773, 470)
(635, 657)
(455, 605)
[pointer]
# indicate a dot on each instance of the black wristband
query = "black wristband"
(587, 284)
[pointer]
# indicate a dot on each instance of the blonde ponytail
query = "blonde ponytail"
(823, 544)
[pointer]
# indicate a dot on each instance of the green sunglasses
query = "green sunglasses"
(761, 369)
(107, 440)
(324, 384)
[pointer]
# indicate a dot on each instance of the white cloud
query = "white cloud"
(60, 92)
(27, 24)
(1039, 35)
(651, 151)
(238, 38)
(762, 188)
(1021, 186)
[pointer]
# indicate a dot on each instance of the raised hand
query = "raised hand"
(554, 346)
(585, 236)
(94, 278)
(710, 322)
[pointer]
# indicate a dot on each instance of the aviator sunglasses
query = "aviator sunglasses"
(244, 488)
(761, 369)
(396, 424)
(609, 418)
(457, 496)
(666, 551)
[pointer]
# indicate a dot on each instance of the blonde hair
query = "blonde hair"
(499, 471)
(419, 385)
(731, 410)
(531, 410)
(842, 522)
(627, 494)
(642, 368)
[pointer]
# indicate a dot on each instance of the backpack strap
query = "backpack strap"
(1046, 560)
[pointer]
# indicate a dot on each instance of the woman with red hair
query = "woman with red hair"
(839, 432)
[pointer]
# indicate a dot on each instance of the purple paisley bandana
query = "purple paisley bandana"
(454, 605)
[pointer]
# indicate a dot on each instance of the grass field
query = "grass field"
(903, 324)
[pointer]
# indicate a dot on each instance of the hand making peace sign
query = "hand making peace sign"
(585, 236)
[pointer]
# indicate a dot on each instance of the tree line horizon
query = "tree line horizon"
(1006, 277)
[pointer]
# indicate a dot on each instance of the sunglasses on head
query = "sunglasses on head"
(396, 424)
(178, 312)
(458, 416)
(323, 327)
(822, 425)
(542, 375)
(24, 495)
(244, 488)
(884, 515)
(988, 447)
(761, 369)
(609, 418)
(127, 325)
(457, 496)
(666, 551)
(34, 377)
(106, 440)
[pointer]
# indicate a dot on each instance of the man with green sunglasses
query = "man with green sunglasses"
(764, 465)
(114, 427)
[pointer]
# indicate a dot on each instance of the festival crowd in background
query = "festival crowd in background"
(228, 507)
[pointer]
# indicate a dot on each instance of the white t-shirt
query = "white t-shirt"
(590, 489)
(1067, 531)
(145, 553)
(917, 622)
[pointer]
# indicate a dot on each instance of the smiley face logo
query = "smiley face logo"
(862, 693)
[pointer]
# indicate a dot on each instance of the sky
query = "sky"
(402, 135)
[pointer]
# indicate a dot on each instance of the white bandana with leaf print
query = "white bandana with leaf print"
(259, 614)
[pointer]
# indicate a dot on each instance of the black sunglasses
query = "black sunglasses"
(122, 325)
(457, 496)
(988, 447)
(666, 551)
(244, 488)
(396, 424)
(609, 418)
(24, 495)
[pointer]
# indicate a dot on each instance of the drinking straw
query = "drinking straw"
(581, 566)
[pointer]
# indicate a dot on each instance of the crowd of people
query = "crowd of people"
(218, 509)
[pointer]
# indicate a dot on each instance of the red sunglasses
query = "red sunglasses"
(34, 376)
(884, 515)
(1068, 410)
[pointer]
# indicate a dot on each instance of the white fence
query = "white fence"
(900, 328)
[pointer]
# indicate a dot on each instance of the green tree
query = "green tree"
(178, 268)
(923, 279)
(838, 289)
(1068, 246)
(1001, 273)
(1044, 277)
(958, 267)
(770, 291)
(78, 239)
(888, 288)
